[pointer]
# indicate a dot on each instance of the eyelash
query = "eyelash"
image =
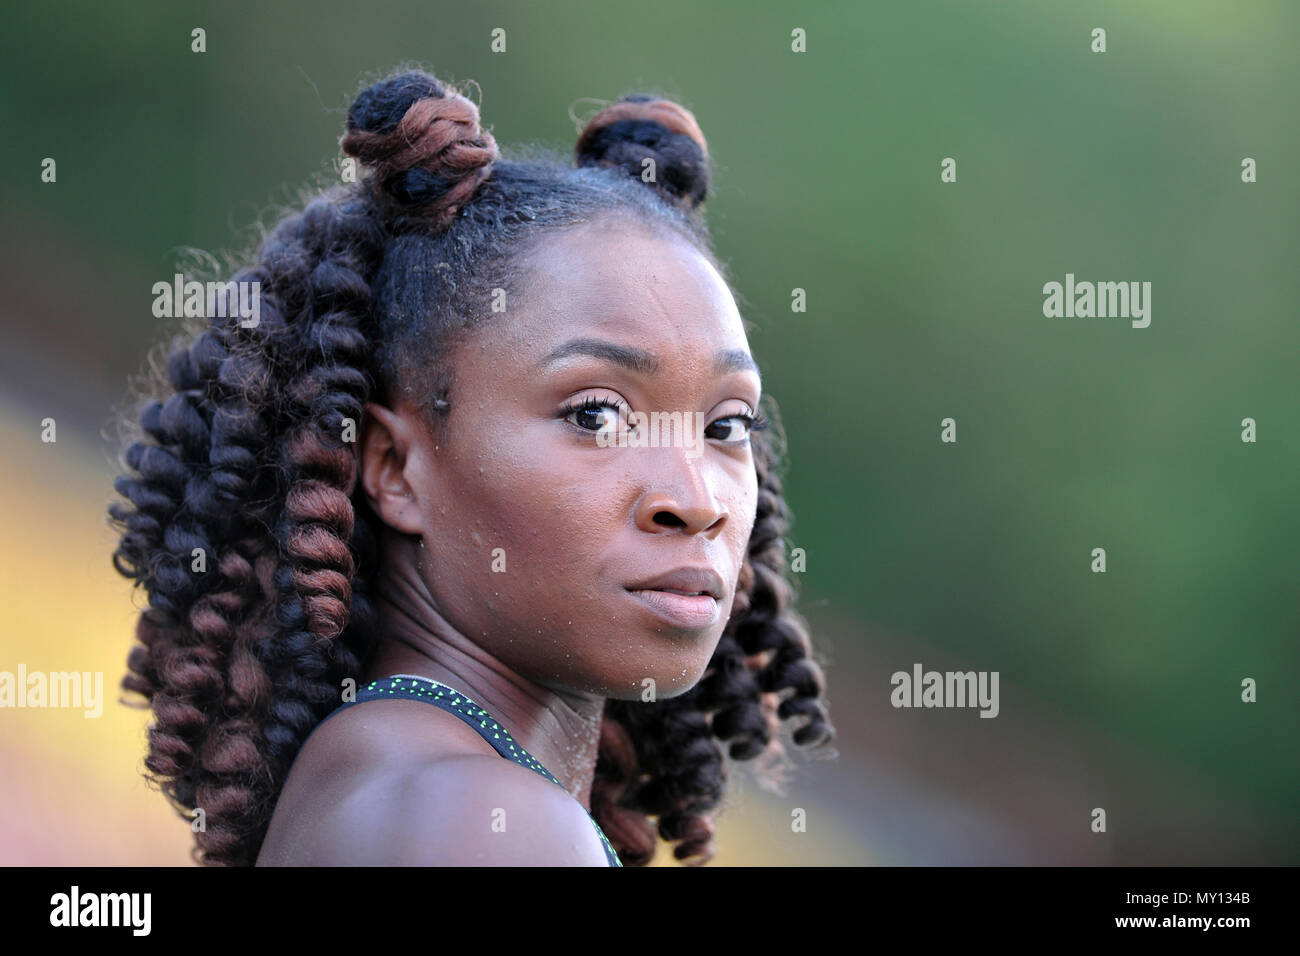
(756, 423)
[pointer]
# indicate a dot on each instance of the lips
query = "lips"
(687, 598)
(685, 581)
(689, 612)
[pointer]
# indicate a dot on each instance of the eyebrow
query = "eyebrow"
(643, 362)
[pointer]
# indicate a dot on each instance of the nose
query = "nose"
(683, 500)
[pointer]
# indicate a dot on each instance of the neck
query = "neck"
(559, 727)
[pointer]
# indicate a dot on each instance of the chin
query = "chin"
(667, 675)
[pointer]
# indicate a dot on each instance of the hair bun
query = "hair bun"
(423, 140)
(639, 127)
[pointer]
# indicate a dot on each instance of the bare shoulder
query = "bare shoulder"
(381, 790)
(470, 810)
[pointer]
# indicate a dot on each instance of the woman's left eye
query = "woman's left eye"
(736, 428)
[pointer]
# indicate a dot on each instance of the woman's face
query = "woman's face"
(542, 544)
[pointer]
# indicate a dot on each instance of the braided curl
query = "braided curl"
(424, 144)
(639, 133)
(244, 523)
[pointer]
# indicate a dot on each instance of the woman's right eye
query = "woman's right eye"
(596, 415)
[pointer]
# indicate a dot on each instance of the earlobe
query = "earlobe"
(386, 456)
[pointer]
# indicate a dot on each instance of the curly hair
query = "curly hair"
(238, 460)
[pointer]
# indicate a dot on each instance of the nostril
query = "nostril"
(669, 519)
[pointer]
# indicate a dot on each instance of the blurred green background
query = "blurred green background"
(1119, 690)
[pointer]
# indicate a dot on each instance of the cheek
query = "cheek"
(516, 540)
(746, 503)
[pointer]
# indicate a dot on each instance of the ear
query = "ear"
(391, 455)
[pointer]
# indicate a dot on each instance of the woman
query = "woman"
(425, 474)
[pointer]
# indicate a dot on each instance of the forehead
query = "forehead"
(635, 284)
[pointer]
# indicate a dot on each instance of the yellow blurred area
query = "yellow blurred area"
(73, 791)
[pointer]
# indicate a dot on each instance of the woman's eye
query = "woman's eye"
(735, 428)
(596, 415)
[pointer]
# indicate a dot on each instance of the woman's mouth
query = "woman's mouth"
(683, 609)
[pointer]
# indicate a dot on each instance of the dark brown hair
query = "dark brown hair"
(238, 459)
